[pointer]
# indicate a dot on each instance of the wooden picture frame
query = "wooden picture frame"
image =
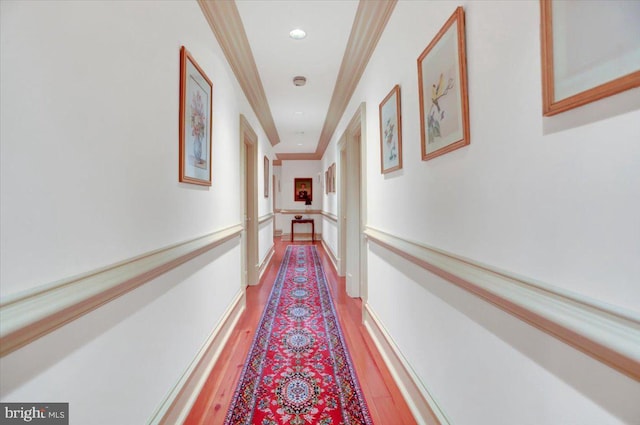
(332, 178)
(302, 189)
(390, 132)
(266, 177)
(326, 182)
(442, 85)
(579, 65)
(195, 122)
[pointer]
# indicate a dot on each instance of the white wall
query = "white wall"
(555, 200)
(330, 203)
(265, 204)
(289, 171)
(277, 192)
(89, 177)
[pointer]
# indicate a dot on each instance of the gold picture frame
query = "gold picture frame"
(442, 84)
(390, 132)
(579, 65)
(266, 177)
(303, 189)
(195, 116)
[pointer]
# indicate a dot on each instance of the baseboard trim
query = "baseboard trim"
(299, 211)
(302, 237)
(424, 408)
(266, 261)
(330, 254)
(30, 315)
(607, 333)
(178, 403)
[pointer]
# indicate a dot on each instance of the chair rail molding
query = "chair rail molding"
(330, 216)
(265, 218)
(607, 333)
(27, 316)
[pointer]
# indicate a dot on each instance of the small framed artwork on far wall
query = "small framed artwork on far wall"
(391, 132)
(303, 189)
(333, 177)
(266, 177)
(326, 182)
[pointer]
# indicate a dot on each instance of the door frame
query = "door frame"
(352, 210)
(249, 202)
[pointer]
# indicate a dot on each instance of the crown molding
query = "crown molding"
(298, 156)
(226, 24)
(369, 23)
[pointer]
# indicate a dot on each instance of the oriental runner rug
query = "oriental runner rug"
(298, 370)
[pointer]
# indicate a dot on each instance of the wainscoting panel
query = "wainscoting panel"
(424, 408)
(178, 403)
(608, 335)
(266, 261)
(27, 316)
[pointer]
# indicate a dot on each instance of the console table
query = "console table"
(305, 220)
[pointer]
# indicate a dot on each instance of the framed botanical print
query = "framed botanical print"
(442, 82)
(196, 91)
(390, 132)
(590, 50)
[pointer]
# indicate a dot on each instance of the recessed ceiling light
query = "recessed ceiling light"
(298, 113)
(297, 34)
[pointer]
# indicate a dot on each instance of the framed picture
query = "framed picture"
(331, 178)
(196, 93)
(590, 50)
(391, 132)
(442, 84)
(303, 189)
(266, 177)
(326, 182)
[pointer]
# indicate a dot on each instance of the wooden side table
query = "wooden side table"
(305, 220)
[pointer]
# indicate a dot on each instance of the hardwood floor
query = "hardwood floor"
(385, 402)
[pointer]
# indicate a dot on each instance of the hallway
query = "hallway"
(384, 400)
(497, 267)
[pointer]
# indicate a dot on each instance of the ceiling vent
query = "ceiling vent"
(299, 81)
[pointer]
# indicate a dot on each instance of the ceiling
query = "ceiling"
(279, 58)
(341, 35)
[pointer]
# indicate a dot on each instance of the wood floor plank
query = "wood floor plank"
(383, 397)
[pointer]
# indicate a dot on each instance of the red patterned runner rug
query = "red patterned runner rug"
(298, 370)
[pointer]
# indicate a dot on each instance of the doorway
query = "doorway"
(249, 184)
(352, 206)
